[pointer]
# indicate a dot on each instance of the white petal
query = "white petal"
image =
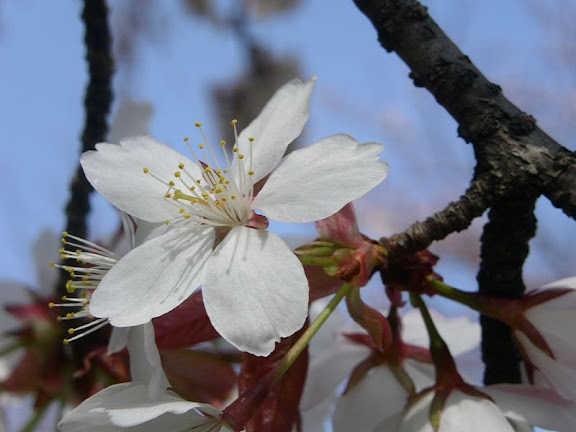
(118, 339)
(132, 118)
(560, 376)
(569, 282)
(461, 334)
(82, 419)
(116, 172)
(278, 124)
(145, 363)
(255, 290)
(315, 182)
(126, 406)
(539, 407)
(376, 397)
(154, 278)
(328, 371)
(461, 409)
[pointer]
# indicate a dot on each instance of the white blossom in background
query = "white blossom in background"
(379, 395)
(254, 287)
(473, 413)
(555, 320)
(145, 404)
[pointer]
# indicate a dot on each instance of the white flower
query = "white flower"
(254, 287)
(555, 320)
(144, 405)
(473, 413)
(379, 395)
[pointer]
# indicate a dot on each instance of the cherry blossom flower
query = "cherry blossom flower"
(379, 394)
(145, 404)
(552, 313)
(254, 287)
(490, 408)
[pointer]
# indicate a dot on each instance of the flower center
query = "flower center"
(218, 194)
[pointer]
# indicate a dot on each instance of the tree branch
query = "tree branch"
(97, 103)
(506, 140)
(457, 216)
(504, 249)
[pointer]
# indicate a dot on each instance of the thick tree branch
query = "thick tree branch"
(456, 217)
(506, 140)
(97, 103)
(504, 249)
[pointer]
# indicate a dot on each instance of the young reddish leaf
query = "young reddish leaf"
(184, 326)
(341, 227)
(321, 284)
(269, 406)
(200, 376)
(370, 319)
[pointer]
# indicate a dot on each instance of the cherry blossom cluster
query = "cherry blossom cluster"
(228, 329)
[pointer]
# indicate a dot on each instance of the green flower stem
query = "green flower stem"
(317, 261)
(307, 336)
(35, 420)
(447, 291)
(509, 311)
(443, 361)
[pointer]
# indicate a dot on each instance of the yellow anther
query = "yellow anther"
(233, 197)
(65, 341)
(145, 170)
(52, 264)
(251, 139)
(219, 190)
(171, 183)
(223, 143)
(70, 315)
(233, 122)
(181, 165)
(68, 284)
(201, 146)
(225, 171)
(63, 241)
(186, 139)
(250, 173)
(240, 156)
(223, 199)
(167, 195)
(61, 250)
(59, 319)
(78, 251)
(65, 234)
(198, 124)
(235, 149)
(199, 181)
(51, 305)
(71, 331)
(207, 169)
(181, 211)
(187, 216)
(177, 174)
(192, 188)
(227, 182)
(219, 172)
(205, 196)
(167, 222)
